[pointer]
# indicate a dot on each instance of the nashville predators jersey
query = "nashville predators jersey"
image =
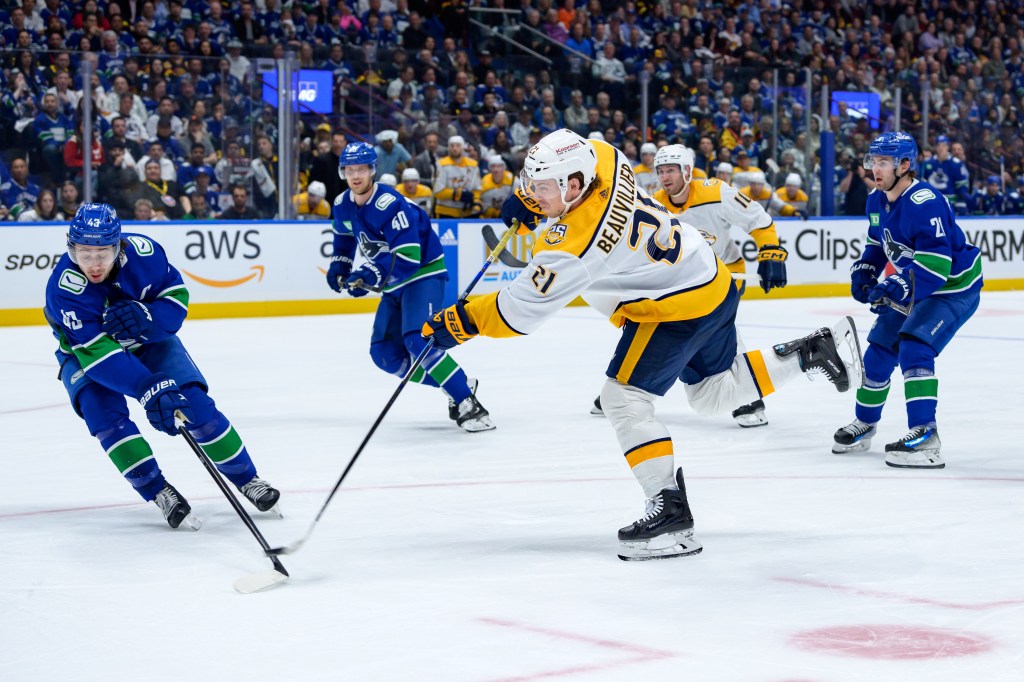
(798, 201)
(620, 250)
(493, 194)
(713, 207)
(646, 178)
(770, 202)
(421, 196)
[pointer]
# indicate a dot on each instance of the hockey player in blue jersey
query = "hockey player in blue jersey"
(405, 262)
(115, 304)
(949, 175)
(938, 277)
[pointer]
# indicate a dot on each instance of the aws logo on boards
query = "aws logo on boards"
(223, 245)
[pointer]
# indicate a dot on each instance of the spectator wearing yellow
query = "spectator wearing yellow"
(312, 202)
(457, 189)
(496, 187)
(759, 191)
(413, 191)
(744, 169)
(793, 194)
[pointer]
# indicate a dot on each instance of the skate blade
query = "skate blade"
(597, 411)
(190, 523)
(845, 334)
(257, 582)
(861, 446)
(477, 425)
(275, 511)
(665, 546)
(931, 461)
(750, 421)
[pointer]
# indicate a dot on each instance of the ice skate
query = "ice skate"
(472, 416)
(749, 416)
(665, 530)
(854, 437)
(262, 495)
(176, 509)
(596, 409)
(453, 407)
(919, 449)
(820, 354)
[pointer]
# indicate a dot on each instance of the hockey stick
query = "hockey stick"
(295, 546)
(905, 309)
(257, 581)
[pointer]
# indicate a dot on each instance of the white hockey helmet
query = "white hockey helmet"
(676, 155)
(793, 180)
(757, 178)
(723, 168)
(648, 148)
(317, 188)
(388, 179)
(557, 156)
(410, 174)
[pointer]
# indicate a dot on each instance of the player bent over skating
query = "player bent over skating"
(656, 278)
(115, 305)
(912, 226)
(405, 262)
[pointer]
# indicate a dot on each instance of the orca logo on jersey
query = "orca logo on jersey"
(895, 251)
(371, 248)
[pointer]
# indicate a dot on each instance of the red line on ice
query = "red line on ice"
(899, 597)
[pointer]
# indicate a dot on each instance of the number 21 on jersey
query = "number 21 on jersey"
(668, 254)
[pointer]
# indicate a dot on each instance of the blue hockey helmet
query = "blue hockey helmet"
(357, 154)
(95, 225)
(897, 145)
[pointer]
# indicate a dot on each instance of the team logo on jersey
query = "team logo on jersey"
(555, 234)
(143, 246)
(708, 237)
(895, 251)
(604, 193)
(873, 219)
(371, 248)
(73, 281)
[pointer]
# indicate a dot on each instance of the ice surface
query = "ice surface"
(492, 556)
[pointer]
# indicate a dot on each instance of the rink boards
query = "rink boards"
(252, 269)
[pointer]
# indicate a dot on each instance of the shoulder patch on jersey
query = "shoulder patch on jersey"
(922, 195)
(337, 199)
(873, 219)
(384, 200)
(143, 246)
(73, 281)
(555, 234)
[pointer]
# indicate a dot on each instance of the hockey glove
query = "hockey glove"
(894, 288)
(464, 197)
(364, 280)
(450, 327)
(771, 267)
(338, 272)
(801, 214)
(863, 276)
(525, 210)
(128, 321)
(160, 396)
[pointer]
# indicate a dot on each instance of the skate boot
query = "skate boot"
(453, 407)
(596, 409)
(472, 416)
(665, 530)
(176, 509)
(919, 449)
(262, 495)
(820, 354)
(854, 437)
(749, 416)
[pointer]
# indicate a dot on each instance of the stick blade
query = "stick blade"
(257, 582)
(287, 549)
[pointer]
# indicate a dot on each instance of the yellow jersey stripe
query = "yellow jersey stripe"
(759, 372)
(636, 348)
(483, 312)
(687, 304)
(647, 451)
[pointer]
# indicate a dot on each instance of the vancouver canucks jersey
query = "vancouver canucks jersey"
(918, 232)
(620, 250)
(949, 176)
(393, 233)
(74, 309)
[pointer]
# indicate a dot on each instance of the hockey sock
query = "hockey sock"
(920, 386)
(440, 370)
(224, 447)
(133, 457)
(644, 440)
(871, 399)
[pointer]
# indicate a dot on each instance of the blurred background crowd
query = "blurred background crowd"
(184, 120)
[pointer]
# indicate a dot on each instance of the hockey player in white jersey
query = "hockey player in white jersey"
(657, 279)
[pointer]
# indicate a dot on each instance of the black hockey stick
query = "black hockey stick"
(491, 240)
(256, 581)
(905, 309)
(294, 547)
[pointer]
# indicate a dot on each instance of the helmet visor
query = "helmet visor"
(91, 256)
(872, 162)
(541, 190)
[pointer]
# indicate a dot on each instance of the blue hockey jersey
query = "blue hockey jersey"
(918, 232)
(74, 309)
(949, 176)
(393, 233)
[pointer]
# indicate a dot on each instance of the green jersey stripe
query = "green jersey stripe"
(963, 280)
(130, 452)
(224, 447)
(428, 270)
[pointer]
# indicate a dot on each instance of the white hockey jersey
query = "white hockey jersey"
(621, 251)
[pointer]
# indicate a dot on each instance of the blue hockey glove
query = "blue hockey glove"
(525, 210)
(801, 214)
(160, 396)
(863, 276)
(128, 321)
(894, 288)
(771, 267)
(338, 272)
(363, 279)
(450, 327)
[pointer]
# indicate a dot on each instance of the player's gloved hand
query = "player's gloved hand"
(525, 210)
(464, 197)
(363, 279)
(338, 272)
(160, 395)
(450, 327)
(893, 287)
(771, 266)
(128, 321)
(801, 213)
(863, 276)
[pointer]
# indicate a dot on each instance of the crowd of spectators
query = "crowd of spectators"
(180, 129)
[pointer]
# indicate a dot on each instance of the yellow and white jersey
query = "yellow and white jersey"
(422, 196)
(741, 177)
(452, 176)
(771, 203)
(714, 207)
(646, 178)
(493, 194)
(800, 201)
(620, 250)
